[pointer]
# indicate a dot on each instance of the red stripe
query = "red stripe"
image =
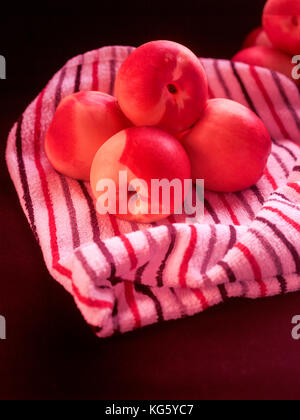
(129, 295)
(229, 209)
(130, 251)
(269, 102)
(42, 175)
(255, 267)
(202, 299)
(286, 218)
(271, 179)
(114, 225)
(51, 218)
(99, 304)
(187, 256)
(295, 187)
(95, 83)
(93, 303)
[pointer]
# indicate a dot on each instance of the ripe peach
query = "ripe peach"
(267, 57)
(162, 84)
(81, 124)
(145, 153)
(281, 21)
(228, 147)
(258, 37)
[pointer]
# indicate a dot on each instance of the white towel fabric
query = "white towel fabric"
(124, 275)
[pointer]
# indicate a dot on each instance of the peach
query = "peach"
(145, 153)
(162, 84)
(228, 147)
(258, 37)
(81, 124)
(267, 57)
(281, 21)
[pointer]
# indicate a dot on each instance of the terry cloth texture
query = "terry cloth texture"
(125, 275)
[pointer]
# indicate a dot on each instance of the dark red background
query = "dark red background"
(240, 350)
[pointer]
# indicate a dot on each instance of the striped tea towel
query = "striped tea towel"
(124, 275)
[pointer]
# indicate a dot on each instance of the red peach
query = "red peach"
(145, 153)
(281, 21)
(162, 84)
(228, 147)
(267, 57)
(258, 37)
(81, 124)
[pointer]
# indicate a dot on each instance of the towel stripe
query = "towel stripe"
(228, 270)
(210, 248)
(255, 267)
(294, 186)
(269, 249)
(243, 88)
(187, 256)
(267, 98)
(286, 99)
(229, 209)
(270, 179)
(283, 284)
(146, 291)
(211, 211)
(159, 275)
(24, 179)
(100, 304)
(283, 216)
(129, 295)
(283, 239)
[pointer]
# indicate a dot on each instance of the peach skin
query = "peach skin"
(144, 153)
(269, 58)
(257, 37)
(281, 21)
(81, 124)
(228, 147)
(162, 84)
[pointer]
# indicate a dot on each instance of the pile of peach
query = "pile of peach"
(161, 125)
(276, 44)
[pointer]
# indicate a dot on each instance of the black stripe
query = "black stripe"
(221, 79)
(244, 90)
(282, 196)
(172, 233)
(286, 99)
(258, 194)
(283, 238)
(286, 149)
(228, 270)
(146, 290)
(78, 78)
(140, 272)
(281, 164)
(223, 292)
(24, 179)
(283, 285)
(112, 64)
(211, 211)
(96, 231)
(59, 86)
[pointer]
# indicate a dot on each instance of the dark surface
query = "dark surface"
(242, 349)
